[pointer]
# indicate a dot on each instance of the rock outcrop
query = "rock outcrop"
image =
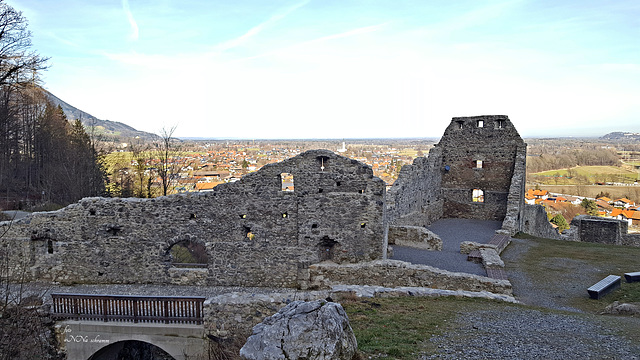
(303, 330)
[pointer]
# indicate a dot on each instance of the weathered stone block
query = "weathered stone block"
(414, 236)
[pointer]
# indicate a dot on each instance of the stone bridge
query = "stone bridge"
(98, 340)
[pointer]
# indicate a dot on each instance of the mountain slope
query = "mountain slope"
(107, 128)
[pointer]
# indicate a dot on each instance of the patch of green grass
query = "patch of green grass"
(568, 268)
(400, 328)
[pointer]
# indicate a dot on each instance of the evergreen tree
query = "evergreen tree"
(561, 222)
(590, 207)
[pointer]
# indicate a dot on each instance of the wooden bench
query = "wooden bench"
(604, 286)
(633, 276)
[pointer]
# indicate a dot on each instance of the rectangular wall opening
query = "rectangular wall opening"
(286, 180)
(478, 196)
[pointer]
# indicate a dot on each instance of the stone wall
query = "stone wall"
(583, 228)
(491, 140)
(514, 218)
(255, 234)
(414, 236)
(415, 198)
(394, 273)
(480, 152)
(537, 223)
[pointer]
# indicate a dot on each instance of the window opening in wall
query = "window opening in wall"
(188, 254)
(50, 246)
(480, 123)
(287, 181)
(478, 164)
(338, 183)
(320, 191)
(363, 225)
(362, 191)
(478, 195)
(314, 226)
(192, 216)
(248, 233)
(243, 216)
(500, 124)
(285, 215)
(326, 248)
(322, 161)
(460, 124)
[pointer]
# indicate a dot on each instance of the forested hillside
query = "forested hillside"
(44, 159)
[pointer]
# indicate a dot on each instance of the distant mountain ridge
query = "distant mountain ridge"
(622, 136)
(107, 128)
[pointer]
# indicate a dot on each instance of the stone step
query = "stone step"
(500, 241)
(475, 256)
(497, 273)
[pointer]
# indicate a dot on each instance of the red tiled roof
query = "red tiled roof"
(615, 212)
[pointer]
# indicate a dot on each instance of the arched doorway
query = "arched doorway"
(131, 350)
(188, 254)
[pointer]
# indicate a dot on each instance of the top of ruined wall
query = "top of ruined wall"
(484, 131)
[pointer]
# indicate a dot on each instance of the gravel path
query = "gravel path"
(452, 232)
(517, 333)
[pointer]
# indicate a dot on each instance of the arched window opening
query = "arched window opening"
(478, 195)
(287, 181)
(130, 349)
(188, 254)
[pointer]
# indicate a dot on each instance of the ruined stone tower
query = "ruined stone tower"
(479, 156)
(476, 171)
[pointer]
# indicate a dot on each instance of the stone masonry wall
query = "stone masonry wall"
(514, 218)
(537, 223)
(415, 198)
(394, 273)
(494, 141)
(480, 152)
(100, 240)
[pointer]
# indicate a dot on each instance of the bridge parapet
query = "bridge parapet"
(163, 309)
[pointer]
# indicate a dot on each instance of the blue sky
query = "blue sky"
(343, 69)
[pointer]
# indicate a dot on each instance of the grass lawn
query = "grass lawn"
(400, 328)
(568, 268)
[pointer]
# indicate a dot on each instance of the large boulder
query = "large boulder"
(303, 330)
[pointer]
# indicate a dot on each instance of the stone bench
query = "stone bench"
(604, 286)
(633, 276)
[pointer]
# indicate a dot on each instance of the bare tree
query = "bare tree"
(18, 64)
(165, 150)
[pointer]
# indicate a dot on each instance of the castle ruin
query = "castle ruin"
(270, 227)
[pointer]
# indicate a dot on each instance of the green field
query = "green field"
(615, 192)
(583, 175)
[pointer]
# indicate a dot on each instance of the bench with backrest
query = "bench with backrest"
(632, 276)
(604, 286)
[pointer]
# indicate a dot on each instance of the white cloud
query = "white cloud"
(132, 22)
